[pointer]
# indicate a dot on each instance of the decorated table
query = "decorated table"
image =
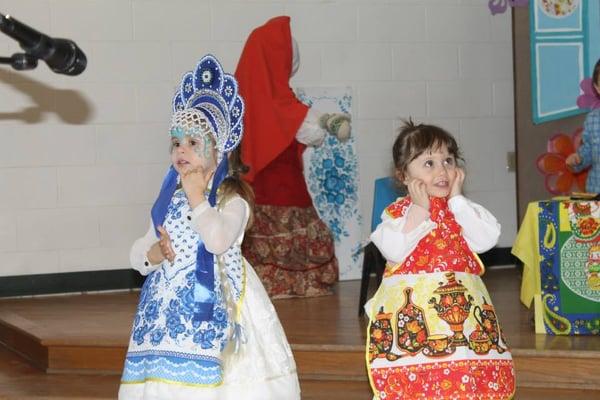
(559, 245)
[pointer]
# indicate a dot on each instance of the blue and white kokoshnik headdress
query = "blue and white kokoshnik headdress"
(207, 102)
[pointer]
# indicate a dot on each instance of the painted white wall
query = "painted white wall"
(82, 158)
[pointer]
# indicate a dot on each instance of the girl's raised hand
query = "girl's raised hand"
(165, 244)
(194, 183)
(573, 159)
(458, 182)
(418, 193)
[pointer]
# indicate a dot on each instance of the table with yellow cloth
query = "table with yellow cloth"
(559, 245)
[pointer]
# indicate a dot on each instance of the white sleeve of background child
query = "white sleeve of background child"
(394, 244)
(310, 133)
(480, 228)
(219, 229)
(138, 255)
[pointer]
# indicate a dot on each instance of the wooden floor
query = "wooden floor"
(81, 340)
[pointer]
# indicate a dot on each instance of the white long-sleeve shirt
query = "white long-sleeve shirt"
(218, 229)
(310, 132)
(480, 229)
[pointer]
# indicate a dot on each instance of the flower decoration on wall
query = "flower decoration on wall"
(500, 6)
(559, 8)
(559, 179)
(588, 99)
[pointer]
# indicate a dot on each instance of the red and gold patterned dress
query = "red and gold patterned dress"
(433, 332)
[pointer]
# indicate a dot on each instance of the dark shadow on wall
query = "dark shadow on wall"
(71, 106)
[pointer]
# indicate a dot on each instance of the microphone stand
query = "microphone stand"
(62, 55)
(19, 61)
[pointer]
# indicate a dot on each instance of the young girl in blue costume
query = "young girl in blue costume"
(204, 327)
(588, 153)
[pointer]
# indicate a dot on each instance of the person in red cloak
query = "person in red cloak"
(290, 247)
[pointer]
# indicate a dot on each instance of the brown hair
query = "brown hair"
(414, 139)
(234, 184)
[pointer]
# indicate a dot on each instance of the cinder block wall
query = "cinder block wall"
(81, 158)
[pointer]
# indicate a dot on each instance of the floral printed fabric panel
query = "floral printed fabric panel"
(331, 173)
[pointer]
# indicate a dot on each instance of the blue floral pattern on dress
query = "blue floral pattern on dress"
(165, 313)
(156, 336)
(167, 342)
(205, 338)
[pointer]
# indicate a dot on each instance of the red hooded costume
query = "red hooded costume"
(272, 117)
(290, 247)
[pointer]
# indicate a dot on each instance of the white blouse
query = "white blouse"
(218, 229)
(310, 133)
(480, 229)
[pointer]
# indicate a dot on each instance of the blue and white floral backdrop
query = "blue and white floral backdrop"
(331, 173)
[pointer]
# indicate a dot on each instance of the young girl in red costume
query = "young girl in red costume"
(433, 332)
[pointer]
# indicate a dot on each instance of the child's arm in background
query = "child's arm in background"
(582, 158)
(316, 125)
(396, 238)
(138, 255)
(219, 229)
(480, 228)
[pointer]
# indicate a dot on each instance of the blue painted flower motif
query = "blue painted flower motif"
(357, 251)
(140, 332)
(174, 325)
(144, 295)
(331, 172)
(336, 228)
(205, 338)
(333, 176)
(185, 303)
(156, 336)
(151, 311)
(220, 318)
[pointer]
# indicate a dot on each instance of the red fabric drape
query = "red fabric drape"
(272, 116)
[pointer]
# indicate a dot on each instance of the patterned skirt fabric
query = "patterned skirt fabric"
(436, 336)
(263, 367)
(292, 250)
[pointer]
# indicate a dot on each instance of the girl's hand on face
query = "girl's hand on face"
(165, 244)
(573, 159)
(458, 182)
(418, 193)
(194, 183)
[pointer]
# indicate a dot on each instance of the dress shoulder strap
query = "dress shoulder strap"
(398, 208)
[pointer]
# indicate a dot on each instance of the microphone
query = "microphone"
(62, 55)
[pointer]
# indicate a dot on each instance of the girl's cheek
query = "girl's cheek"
(204, 153)
(207, 164)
